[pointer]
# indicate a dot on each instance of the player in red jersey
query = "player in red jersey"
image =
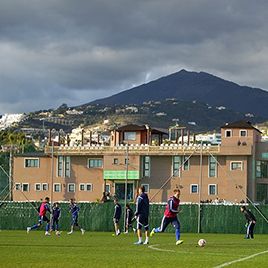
(170, 216)
(44, 208)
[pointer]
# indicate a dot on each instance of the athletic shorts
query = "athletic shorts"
(42, 219)
(74, 220)
(55, 221)
(116, 220)
(142, 221)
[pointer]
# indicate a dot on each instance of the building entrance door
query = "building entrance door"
(120, 191)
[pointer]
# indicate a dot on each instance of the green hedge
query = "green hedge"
(98, 217)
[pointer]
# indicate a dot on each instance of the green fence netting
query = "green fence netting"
(98, 217)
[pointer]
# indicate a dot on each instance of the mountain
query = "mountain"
(200, 86)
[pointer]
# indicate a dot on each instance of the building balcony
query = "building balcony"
(236, 150)
(142, 149)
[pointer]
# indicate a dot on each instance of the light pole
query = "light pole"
(126, 184)
(200, 188)
(53, 131)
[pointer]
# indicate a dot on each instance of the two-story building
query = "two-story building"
(233, 170)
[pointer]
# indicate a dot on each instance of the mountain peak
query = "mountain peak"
(191, 86)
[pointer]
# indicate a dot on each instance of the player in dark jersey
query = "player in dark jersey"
(56, 212)
(129, 218)
(117, 216)
(251, 221)
(170, 216)
(74, 210)
(44, 208)
(142, 216)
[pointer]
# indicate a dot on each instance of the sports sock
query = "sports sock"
(178, 234)
(34, 227)
(47, 227)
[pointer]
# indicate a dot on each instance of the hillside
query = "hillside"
(194, 115)
(191, 86)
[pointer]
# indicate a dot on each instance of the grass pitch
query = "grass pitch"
(102, 250)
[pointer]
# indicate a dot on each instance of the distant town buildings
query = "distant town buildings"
(7, 120)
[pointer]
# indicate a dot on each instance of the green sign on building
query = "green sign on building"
(264, 155)
(120, 175)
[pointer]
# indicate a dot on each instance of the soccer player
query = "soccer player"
(129, 216)
(44, 208)
(56, 212)
(251, 221)
(74, 210)
(170, 216)
(117, 216)
(142, 215)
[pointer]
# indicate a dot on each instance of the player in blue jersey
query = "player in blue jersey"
(74, 210)
(129, 218)
(251, 221)
(44, 208)
(56, 212)
(142, 216)
(117, 216)
(170, 216)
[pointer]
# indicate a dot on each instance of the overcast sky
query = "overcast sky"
(75, 51)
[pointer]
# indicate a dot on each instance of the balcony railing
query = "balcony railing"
(170, 149)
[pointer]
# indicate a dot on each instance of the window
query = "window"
(236, 165)
(212, 189)
(95, 163)
(212, 166)
(37, 187)
(261, 169)
(18, 186)
(31, 162)
(146, 187)
(186, 161)
(60, 166)
(116, 161)
(146, 166)
(67, 166)
(228, 133)
(44, 186)
(89, 187)
(57, 187)
(64, 166)
(126, 161)
(81, 187)
(71, 187)
(25, 187)
(194, 188)
(107, 188)
(176, 165)
(85, 187)
(243, 133)
(129, 136)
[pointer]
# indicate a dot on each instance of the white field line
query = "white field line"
(155, 247)
(159, 249)
(241, 259)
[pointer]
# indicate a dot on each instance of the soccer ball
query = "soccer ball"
(202, 242)
(58, 233)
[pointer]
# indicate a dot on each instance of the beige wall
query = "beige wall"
(161, 171)
(227, 181)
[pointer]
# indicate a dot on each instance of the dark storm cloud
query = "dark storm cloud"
(76, 51)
